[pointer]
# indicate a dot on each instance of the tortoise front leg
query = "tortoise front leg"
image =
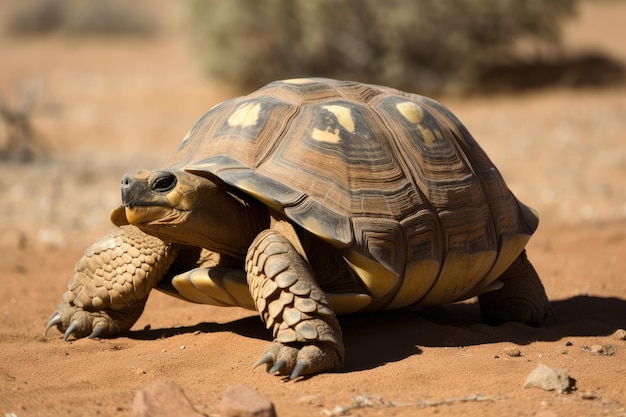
(111, 284)
(307, 335)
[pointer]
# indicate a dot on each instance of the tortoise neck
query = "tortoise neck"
(249, 218)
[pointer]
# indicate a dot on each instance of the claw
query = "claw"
(277, 366)
(55, 319)
(70, 330)
(297, 370)
(267, 358)
(96, 332)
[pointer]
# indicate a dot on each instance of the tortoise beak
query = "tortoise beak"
(118, 217)
(146, 214)
(123, 216)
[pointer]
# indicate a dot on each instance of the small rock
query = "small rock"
(163, 399)
(620, 334)
(568, 344)
(606, 350)
(550, 379)
(243, 401)
(513, 351)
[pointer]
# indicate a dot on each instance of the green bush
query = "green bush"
(428, 45)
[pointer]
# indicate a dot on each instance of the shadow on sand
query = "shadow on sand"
(374, 339)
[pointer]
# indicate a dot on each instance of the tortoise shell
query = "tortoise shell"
(392, 180)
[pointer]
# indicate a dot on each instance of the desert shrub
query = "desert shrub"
(79, 17)
(20, 140)
(410, 44)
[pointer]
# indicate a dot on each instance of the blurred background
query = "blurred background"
(90, 89)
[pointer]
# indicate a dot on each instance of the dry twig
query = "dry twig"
(366, 401)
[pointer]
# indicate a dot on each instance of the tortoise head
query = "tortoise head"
(181, 207)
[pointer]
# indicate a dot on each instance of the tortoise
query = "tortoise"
(307, 199)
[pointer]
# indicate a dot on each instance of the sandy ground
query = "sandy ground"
(109, 106)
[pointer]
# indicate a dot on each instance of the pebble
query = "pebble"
(550, 379)
(606, 350)
(513, 352)
(244, 401)
(620, 334)
(163, 399)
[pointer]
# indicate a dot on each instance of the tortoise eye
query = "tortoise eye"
(165, 182)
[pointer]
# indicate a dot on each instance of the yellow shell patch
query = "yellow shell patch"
(245, 116)
(343, 115)
(427, 134)
(298, 81)
(344, 118)
(326, 135)
(415, 114)
(411, 111)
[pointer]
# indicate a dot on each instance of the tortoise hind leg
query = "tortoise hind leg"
(522, 298)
